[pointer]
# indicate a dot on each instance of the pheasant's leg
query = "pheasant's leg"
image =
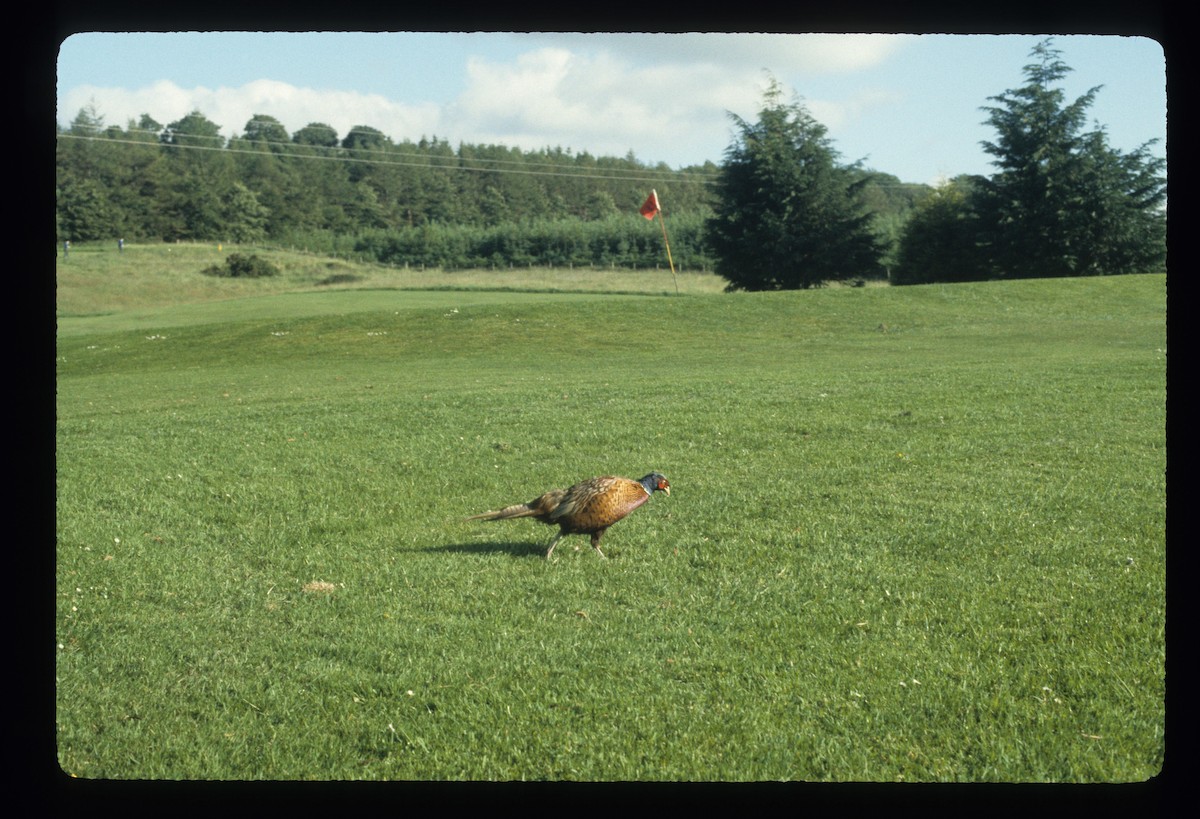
(596, 543)
(553, 543)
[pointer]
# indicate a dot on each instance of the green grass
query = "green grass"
(914, 534)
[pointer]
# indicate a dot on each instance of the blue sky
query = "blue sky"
(908, 105)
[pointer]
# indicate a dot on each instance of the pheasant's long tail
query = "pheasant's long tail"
(517, 510)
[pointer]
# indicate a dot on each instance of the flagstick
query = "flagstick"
(667, 242)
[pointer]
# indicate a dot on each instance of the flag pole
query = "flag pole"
(667, 242)
(650, 208)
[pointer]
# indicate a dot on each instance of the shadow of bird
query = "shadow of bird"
(587, 508)
(514, 548)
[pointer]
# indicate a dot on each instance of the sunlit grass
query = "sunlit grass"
(914, 534)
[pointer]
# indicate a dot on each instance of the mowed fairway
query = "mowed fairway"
(914, 534)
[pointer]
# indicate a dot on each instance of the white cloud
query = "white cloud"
(232, 108)
(834, 114)
(806, 53)
(603, 102)
(658, 96)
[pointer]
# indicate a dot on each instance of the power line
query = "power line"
(452, 162)
(394, 150)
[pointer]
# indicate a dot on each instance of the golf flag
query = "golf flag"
(650, 206)
(650, 209)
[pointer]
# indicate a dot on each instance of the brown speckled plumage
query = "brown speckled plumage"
(587, 508)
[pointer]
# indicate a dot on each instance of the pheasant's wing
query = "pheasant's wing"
(600, 502)
(581, 498)
(544, 507)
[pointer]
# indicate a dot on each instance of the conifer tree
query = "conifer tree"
(1062, 202)
(787, 216)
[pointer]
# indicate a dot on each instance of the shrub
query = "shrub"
(243, 267)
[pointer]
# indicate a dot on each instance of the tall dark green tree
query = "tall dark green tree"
(1062, 202)
(1121, 212)
(787, 215)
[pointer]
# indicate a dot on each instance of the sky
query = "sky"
(907, 105)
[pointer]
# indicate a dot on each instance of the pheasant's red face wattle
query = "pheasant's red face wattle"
(664, 486)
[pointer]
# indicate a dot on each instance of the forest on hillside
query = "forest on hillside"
(399, 201)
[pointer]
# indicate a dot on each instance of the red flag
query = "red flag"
(650, 206)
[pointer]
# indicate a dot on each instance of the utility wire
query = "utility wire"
(453, 162)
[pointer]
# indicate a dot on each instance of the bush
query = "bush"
(238, 266)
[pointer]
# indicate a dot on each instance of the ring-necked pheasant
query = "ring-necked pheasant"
(587, 508)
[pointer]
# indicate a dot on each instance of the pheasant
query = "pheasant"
(587, 508)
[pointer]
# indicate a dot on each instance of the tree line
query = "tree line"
(781, 211)
(1062, 201)
(399, 202)
(184, 181)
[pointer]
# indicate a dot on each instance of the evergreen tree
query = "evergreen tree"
(88, 122)
(1062, 202)
(786, 215)
(1121, 209)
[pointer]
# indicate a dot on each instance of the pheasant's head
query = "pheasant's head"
(656, 482)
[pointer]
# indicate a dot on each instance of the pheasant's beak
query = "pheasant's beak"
(665, 488)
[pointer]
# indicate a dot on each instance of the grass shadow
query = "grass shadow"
(524, 548)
